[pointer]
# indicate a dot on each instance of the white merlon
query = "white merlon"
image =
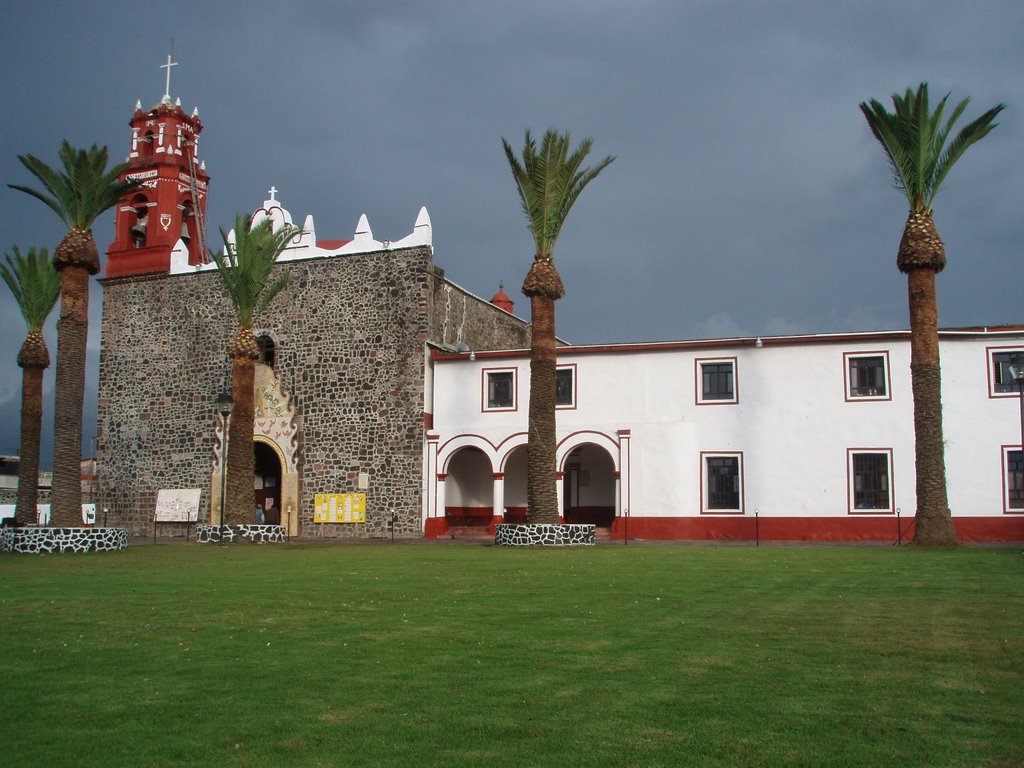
(179, 258)
(304, 244)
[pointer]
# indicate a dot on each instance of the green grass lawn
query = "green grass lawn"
(452, 655)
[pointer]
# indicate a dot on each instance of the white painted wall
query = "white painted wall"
(793, 422)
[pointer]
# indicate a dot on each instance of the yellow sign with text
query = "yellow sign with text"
(339, 508)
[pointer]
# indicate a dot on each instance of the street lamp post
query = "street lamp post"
(224, 405)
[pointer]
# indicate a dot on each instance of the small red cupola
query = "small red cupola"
(501, 299)
(170, 206)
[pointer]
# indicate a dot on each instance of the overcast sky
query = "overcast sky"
(748, 197)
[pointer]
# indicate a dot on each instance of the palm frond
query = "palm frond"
(269, 294)
(914, 138)
(970, 134)
(246, 265)
(82, 189)
(549, 181)
(34, 283)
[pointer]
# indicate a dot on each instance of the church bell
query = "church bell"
(138, 230)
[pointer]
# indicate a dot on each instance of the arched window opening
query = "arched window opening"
(139, 227)
(187, 219)
(267, 350)
(146, 144)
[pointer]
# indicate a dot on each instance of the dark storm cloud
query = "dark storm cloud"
(748, 196)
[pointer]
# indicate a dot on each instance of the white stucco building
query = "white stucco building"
(785, 438)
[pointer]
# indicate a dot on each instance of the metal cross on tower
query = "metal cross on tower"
(167, 88)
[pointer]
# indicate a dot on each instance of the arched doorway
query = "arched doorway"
(515, 486)
(469, 490)
(267, 487)
(589, 486)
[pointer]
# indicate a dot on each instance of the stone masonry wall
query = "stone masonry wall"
(350, 333)
(10, 496)
(458, 316)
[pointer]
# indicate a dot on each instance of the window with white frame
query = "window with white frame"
(500, 390)
(1001, 382)
(716, 381)
(1013, 480)
(565, 387)
(870, 473)
(722, 481)
(867, 375)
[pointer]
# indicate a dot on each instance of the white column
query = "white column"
(439, 510)
(622, 484)
(430, 477)
(498, 510)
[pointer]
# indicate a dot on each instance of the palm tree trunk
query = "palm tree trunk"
(541, 483)
(72, 337)
(933, 524)
(31, 427)
(239, 505)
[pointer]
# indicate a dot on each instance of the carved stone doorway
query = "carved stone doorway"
(276, 434)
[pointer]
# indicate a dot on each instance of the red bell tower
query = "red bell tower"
(171, 203)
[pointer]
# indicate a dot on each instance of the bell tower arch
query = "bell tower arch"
(170, 206)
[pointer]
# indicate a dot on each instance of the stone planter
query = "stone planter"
(544, 535)
(42, 541)
(257, 534)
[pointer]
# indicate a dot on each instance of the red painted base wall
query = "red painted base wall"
(139, 261)
(468, 517)
(809, 528)
(851, 529)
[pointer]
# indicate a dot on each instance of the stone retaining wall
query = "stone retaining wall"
(40, 541)
(541, 535)
(257, 534)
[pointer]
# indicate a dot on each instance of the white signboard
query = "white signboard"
(177, 505)
(89, 514)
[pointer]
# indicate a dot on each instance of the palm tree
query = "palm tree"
(914, 140)
(35, 285)
(549, 181)
(78, 193)
(245, 269)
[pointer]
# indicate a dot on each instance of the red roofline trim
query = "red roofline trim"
(438, 353)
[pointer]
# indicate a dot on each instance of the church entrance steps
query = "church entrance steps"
(470, 533)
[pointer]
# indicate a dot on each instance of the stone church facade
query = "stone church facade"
(342, 385)
(382, 378)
